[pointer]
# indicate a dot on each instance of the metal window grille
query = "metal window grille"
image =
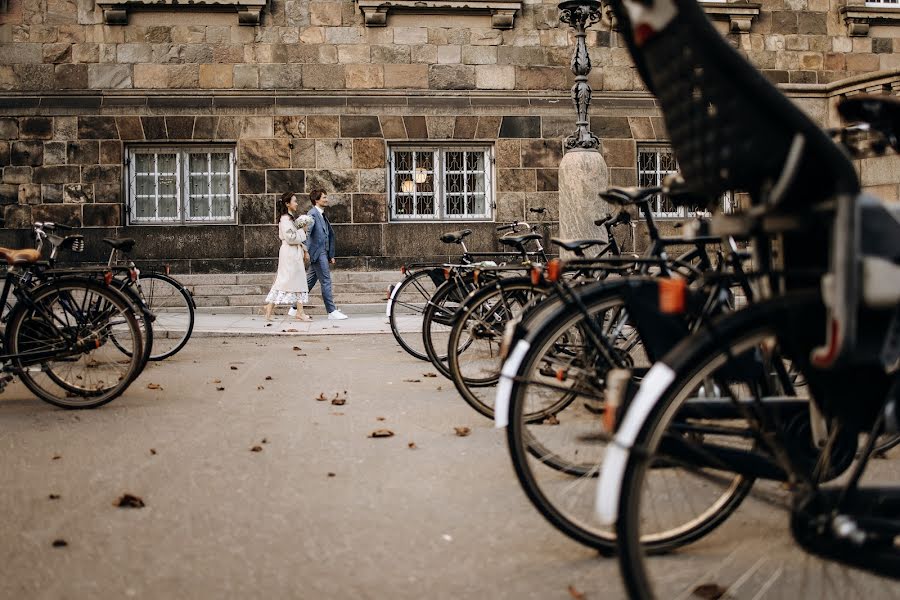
(888, 3)
(181, 184)
(655, 162)
(451, 183)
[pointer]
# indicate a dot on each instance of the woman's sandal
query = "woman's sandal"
(304, 317)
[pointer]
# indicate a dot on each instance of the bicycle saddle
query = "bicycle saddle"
(519, 240)
(629, 195)
(576, 245)
(455, 237)
(17, 258)
(124, 244)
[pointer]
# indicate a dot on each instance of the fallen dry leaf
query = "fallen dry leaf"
(292, 330)
(709, 591)
(551, 420)
(339, 401)
(268, 378)
(57, 457)
(256, 449)
(429, 374)
(54, 496)
(321, 397)
(331, 474)
(462, 431)
(259, 387)
(576, 594)
(129, 501)
(154, 386)
(440, 387)
(297, 348)
(60, 543)
(412, 380)
(268, 324)
(233, 368)
(327, 348)
(220, 389)
(379, 418)
(381, 433)
(216, 381)
(411, 446)
(265, 441)
(153, 451)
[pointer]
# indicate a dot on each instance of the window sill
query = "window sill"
(115, 12)
(503, 12)
(740, 15)
(859, 18)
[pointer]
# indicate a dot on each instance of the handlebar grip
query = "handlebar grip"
(538, 209)
(49, 225)
(505, 227)
(604, 220)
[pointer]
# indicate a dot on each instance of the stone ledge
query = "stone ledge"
(740, 15)
(115, 12)
(859, 18)
(503, 12)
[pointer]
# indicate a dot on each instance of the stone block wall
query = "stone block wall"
(316, 45)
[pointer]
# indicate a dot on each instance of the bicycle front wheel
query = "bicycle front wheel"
(408, 302)
(60, 342)
(173, 313)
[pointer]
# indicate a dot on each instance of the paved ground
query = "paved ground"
(322, 510)
(443, 520)
(206, 325)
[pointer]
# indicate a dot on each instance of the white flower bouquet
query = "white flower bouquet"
(303, 221)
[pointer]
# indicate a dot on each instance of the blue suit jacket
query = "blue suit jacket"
(315, 242)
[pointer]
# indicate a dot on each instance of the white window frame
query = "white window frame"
(883, 3)
(439, 174)
(182, 180)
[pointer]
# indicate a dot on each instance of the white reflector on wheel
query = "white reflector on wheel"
(504, 387)
(612, 471)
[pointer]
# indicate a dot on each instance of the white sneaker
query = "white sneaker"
(292, 312)
(336, 315)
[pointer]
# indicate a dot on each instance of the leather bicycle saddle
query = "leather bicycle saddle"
(17, 258)
(519, 240)
(124, 244)
(455, 237)
(576, 245)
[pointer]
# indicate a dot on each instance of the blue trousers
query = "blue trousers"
(319, 270)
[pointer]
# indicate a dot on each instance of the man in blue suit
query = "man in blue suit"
(320, 243)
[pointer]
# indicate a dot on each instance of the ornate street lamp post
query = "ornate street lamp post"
(580, 15)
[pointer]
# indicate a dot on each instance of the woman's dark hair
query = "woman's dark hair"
(315, 195)
(285, 200)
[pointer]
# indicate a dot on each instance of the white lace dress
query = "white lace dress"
(290, 281)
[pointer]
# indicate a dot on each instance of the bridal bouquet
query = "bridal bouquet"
(303, 221)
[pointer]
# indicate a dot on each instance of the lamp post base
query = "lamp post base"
(582, 176)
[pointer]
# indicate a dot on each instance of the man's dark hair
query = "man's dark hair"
(285, 200)
(315, 195)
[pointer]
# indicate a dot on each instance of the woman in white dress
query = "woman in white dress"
(290, 282)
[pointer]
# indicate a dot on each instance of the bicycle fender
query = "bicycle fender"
(390, 301)
(612, 472)
(504, 386)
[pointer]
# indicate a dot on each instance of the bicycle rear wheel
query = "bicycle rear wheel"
(408, 302)
(173, 312)
(473, 349)
(714, 410)
(60, 342)
(438, 318)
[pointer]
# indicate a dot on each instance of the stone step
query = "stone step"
(266, 278)
(375, 287)
(259, 299)
(313, 309)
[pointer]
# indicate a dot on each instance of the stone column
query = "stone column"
(583, 173)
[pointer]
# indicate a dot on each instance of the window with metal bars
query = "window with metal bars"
(885, 3)
(654, 163)
(450, 183)
(181, 184)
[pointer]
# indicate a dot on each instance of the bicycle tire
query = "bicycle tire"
(407, 306)
(688, 367)
(438, 319)
(172, 307)
(39, 315)
(483, 317)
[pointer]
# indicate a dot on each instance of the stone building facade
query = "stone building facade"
(292, 95)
